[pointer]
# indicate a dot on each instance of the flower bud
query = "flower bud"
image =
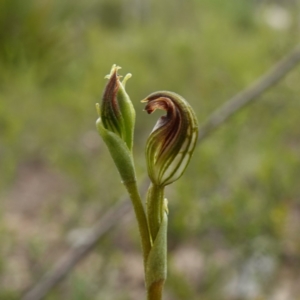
(173, 139)
(116, 124)
(116, 111)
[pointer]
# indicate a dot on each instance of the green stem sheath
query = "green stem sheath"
(156, 272)
(141, 218)
(155, 208)
(155, 211)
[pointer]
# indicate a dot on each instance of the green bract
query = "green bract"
(119, 152)
(173, 139)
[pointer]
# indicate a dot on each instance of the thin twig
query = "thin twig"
(247, 96)
(65, 265)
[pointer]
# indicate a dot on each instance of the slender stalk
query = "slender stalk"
(155, 291)
(155, 208)
(141, 218)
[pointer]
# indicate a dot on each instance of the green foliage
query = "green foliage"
(237, 201)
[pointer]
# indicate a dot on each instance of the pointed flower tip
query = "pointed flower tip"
(113, 71)
(173, 139)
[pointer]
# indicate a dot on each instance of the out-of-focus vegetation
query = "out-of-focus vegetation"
(234, 216)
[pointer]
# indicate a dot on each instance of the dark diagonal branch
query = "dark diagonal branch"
(247, 96)
(65, 265)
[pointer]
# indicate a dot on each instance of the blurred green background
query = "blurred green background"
(234, 222)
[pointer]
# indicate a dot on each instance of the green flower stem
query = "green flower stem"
(155, 291)
(155, 208)
(141, 218)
